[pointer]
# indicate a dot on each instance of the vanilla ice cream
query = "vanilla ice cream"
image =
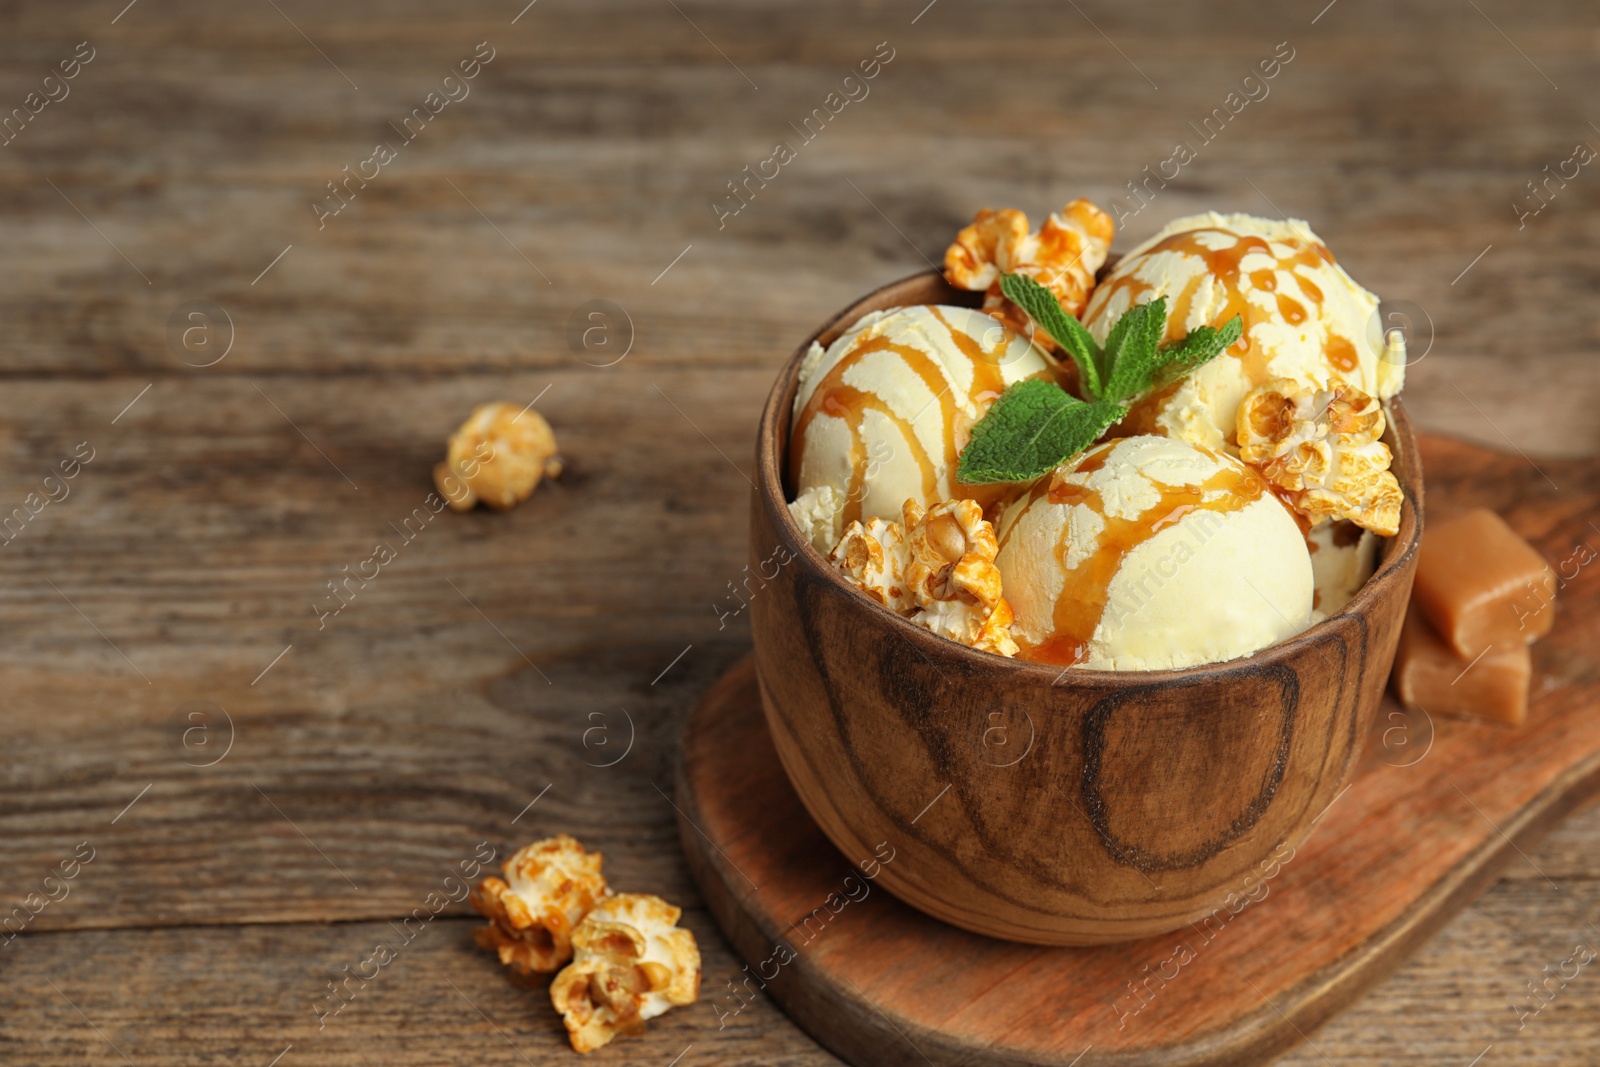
(1150, 553)
(1343, 557)
(882, 414)
(1304, 318)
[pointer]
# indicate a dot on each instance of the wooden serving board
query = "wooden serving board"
(1436, 808)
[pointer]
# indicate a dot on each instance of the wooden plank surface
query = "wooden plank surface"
(424, 718)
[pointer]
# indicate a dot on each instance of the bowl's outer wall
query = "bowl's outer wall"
(1055, 808)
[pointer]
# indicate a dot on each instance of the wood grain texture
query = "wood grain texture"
(596, 142)
(1195, 776)
(1436, 808)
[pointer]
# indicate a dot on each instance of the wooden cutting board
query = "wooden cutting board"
(1436, 808)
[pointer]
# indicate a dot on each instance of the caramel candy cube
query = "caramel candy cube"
(1429, 675)
(1480, 584)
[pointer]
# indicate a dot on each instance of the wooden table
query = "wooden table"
(486, 685)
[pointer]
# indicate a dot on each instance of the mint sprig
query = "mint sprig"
(1043, 308)
(1133, 360)
(1034, 425)
(1030, 429)
(1200, 345)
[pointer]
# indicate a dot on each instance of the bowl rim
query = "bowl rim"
(772, 445)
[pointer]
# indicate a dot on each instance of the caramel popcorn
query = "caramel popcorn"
(1063, 256)
(936, 568)
(985, 249)
(497, 456)
(633, 963)
(553, 884)
(873, 556)
(1319, 448)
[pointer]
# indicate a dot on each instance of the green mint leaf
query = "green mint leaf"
(1119, 333)
(1131, 349)
(1133, 360)
(1029, 430)
(1043, 307)
(1202, 345)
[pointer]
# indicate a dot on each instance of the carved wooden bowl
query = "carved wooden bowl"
(1034, 805)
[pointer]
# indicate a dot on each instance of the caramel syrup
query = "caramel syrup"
(1342, 354)
(1223, 268)
(835, 398)
(1081, 605)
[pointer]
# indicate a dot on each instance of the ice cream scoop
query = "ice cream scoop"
(883, 412)
(1343, 557)
(1304, 318)
(1150, 553)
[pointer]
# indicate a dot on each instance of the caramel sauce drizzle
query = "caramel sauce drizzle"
(1342, 354)
(835, 398)
(1082, 602)
(1223, 265)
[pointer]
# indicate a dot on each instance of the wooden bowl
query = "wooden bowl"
(1046, 807)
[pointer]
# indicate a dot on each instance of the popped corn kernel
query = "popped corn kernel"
(1070, 247)
(936, 568)
(498, 455)
(873, 556)
(552, 885)
(632, 963)
(1319, 448)
(985, 249)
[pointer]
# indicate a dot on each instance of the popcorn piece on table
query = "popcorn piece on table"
(633, 963)
(1319, 449)
(936, 569)
(1063, 256)
(497, 456)
(553, 884)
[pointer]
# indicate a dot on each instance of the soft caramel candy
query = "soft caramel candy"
(1428, 674)
(1480, 584)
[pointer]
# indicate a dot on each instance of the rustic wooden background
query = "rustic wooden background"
(163, 609)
